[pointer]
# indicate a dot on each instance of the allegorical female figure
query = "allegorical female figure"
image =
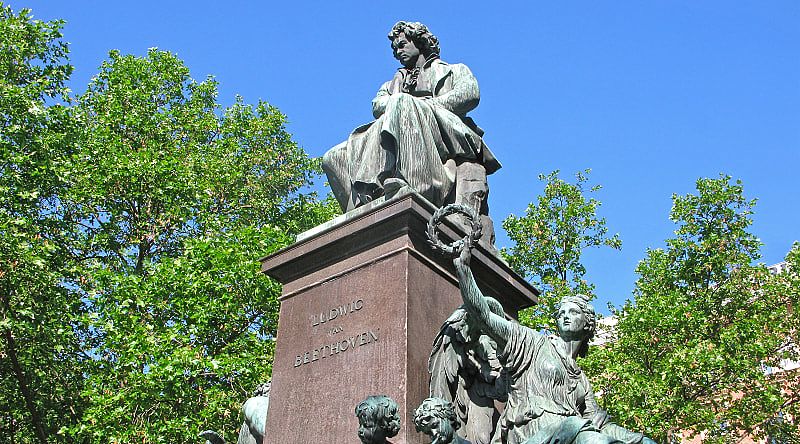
(421, 131)
(549, 398)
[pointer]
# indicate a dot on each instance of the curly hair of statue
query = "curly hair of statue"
(454, 249)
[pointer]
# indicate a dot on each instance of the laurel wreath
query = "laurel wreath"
(454, 249)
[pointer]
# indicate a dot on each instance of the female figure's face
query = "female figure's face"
(405, 51)
(571, 321)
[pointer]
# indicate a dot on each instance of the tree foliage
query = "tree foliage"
(157, 164)
(39, 344)
(131, 220)
(175, 200)
(549, 241)
(692, 349)
(184, 344)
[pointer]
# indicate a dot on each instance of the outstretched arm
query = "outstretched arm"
(497, 327)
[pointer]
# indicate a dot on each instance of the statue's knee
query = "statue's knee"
(399, 100)
(587, 437)
(334, 157)
(327, 160)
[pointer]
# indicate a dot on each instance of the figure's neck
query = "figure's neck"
(419, 63)
(572, 346)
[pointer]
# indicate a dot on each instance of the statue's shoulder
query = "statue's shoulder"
(442, 66)
(458, 70)
(451, 66)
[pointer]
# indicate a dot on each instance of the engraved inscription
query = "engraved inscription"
(337, 347)
(334, 330)
(335, 312)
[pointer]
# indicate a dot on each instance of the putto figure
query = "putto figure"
(436, 418)
(255, 415)
(549, 398)
(378, 419)
(421, 138)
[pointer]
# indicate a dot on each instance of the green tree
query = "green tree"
(691, 349)
(549, 241)
(40, 346)
(784, 286)
(175, 200)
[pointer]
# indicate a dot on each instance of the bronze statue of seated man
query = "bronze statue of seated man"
(421, 137)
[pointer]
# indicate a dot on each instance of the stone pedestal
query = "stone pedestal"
(363, 298)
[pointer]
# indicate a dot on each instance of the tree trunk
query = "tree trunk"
(36, 420)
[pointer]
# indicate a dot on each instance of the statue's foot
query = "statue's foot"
(363, 199)
(365, 193)
(394, 186)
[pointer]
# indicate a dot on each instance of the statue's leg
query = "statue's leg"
(587, 437)
(334, 163)
(411, 135)
(472, 190)
(480, 424)
(368, 163)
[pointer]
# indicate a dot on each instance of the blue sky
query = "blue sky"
(651, 95)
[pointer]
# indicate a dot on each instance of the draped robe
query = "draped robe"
(550, 399)
(420, 125)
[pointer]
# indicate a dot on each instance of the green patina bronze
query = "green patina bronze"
(421, 139)
(436, 418)
(549, 398)
(378, 419)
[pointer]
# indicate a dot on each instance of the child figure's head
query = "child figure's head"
(377, 419)
(436, 417)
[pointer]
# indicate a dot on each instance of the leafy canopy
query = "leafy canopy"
(40, 352)
(131, 304)
(175, 200)
(549, 241)
(691, 350)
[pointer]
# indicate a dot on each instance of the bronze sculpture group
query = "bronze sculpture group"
(379, 420)
(422, 141)
(548, 399)
(465, 371)
(421, 133)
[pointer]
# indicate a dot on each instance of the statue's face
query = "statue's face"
(405, 51)
(571, 322)
(369, 432)
(437, 428)
(428, 424)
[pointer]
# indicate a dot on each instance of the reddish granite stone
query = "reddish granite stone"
(362, 302)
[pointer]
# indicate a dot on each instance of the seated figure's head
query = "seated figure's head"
(418, 34)
(436, 418)
(576, 319)
(377, 419)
